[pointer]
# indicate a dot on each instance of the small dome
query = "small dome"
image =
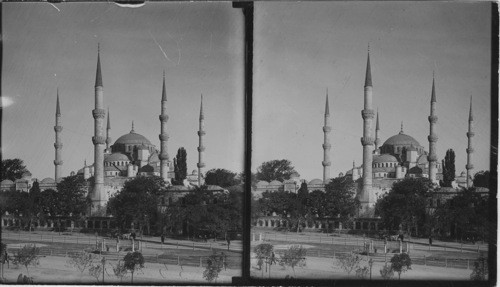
(402, 139)
(315, 181)
(384, 158)
(48, 180)
(147, 168)
(415, 170)
(262, 183)
(275, 182)
(7, 181)
(132, 138)
(116, 157)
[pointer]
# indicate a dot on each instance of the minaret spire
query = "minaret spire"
(58, 144)
(98, 195)
(201, 147)
(164, 157)
(326, 143)
(108, 134)
(401, 131)
(367, 141)
(377, 134)
(470, 149)
(433, 138)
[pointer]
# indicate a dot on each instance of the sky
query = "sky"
(49, 46)
(303, 49)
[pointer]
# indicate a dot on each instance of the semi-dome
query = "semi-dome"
(48, 180)
(403, 140)
(262, 183)
(132, 138)
(147, 168)
(275, 182)
(7, 181)
(384, 158)
(315, 181)
(116, 157)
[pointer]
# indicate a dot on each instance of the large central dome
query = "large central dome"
(132, 138)
(402, 140)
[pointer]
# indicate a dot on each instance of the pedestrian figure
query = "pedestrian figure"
(401, 236)
(228, 243)
(162, 239)
(117, 244)
(205, 236)
(430, 240)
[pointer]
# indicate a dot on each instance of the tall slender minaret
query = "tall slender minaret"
(108, 133)
(470, 149)
(326, 143)
(164, 158)
(99, 139)
(377, 134)
(367, 140)
(201, 148)
(432, 157)
(58, 144)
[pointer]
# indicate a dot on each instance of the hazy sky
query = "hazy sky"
(301, 49)
(45, 46)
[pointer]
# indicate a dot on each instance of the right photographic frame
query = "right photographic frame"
(372, 141)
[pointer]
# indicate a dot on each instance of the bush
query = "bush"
(28, 255)
(480, 269)
(295, 255)
(96, 270)
(81, 260)
(350, 262)
(215, 263)
(386, 272)
(133, 261)
(262, 251)
(400, 263)
(119, 270)
(362, 273)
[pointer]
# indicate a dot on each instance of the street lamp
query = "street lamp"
(370, 262)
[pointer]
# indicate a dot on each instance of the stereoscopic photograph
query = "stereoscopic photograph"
(371, 140)
(122, 143)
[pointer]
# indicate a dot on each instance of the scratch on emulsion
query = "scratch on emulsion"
(161, 49)
(54, 6)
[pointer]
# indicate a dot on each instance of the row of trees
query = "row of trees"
(336, 201)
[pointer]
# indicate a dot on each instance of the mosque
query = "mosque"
(400, 156)
(129, 156)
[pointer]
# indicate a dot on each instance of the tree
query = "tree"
(295, 255)
(119, 270)
(180, 167)
(137, 202)
(96, 270)
(482, 179)
(81, 260)
(215, 263)
(275, 170)
(72, 192)
(480, 269)
(221, 177)
(13, 169)
(448, 164)
(386, 272)
(349, 262)
(263, 251)
(28, 255)
(400, 263)
(404, 204)
(50, 203)
(362, 272)
(133, 261)
(340, 199)
(4, 256)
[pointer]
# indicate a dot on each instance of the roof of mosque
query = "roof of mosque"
(117, 156)
(402, 139)
(315, 181)
(133, 138)
(384, 158)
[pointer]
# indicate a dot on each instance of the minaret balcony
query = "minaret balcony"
(470, 134)
(327, 129)
(433, 119)
(432, 138)
(327, 146)
(469, 166)
(163, 156)
(200, 164)
(326, 163)
(201, 148)
(108, 140)
(58, 129)
(367, 114)
(163, 137)
(469, 150)
(163, 118)
(98, 140)
(367, 141)
(432, 158)
(201, 133)
(58, 145)
(58, 162)
(98, 113)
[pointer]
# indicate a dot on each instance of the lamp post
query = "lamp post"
(370, 262)
(103, 263)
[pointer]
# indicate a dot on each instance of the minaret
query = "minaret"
(432, 157)
(164, 158)
(470, 149)
(326, 143)
(367, 140)
(377, 134)
(98, 196)
(108, 138)
(201, 148)
(58, 144)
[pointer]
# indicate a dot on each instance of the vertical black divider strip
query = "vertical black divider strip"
(248, 11)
